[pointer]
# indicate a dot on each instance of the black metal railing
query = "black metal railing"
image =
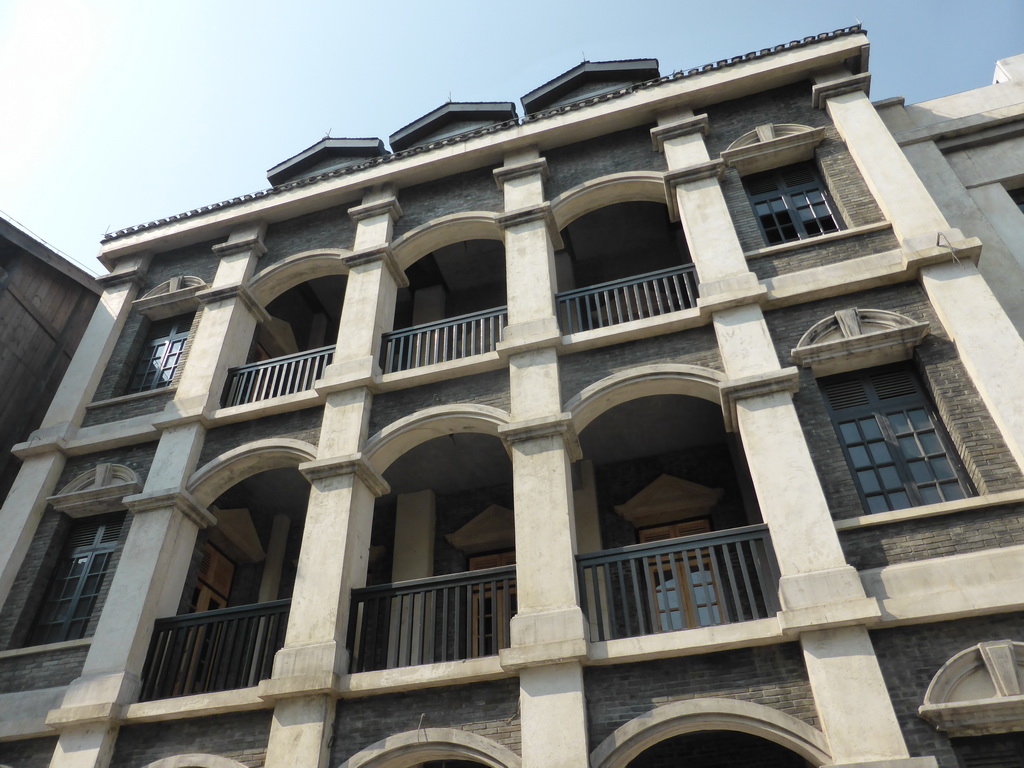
(635, 298)
(214, 650)
(445, 340)
(445, 618)
(279, 376)
(694, 581)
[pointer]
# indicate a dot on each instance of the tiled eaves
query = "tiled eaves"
(497, 127)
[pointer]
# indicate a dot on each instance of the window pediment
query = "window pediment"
(492, 530)
(978, 691)
(97, 491)
(668, 499)
(176, 296)
(851, 339)
(773, 146)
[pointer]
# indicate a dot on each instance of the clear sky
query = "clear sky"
(118, 112)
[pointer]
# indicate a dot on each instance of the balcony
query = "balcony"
(424, 621)
(684, 583)
(274, 378)
(214, 650)
(633, 298)
(443, 341)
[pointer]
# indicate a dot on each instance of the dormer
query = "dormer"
(589, 78)
(451, 119)
(326, 155)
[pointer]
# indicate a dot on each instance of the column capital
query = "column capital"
(238, 292)
(178, 499)
(529, 215)
(131, 277)
(677, 129)
(785, 380)
(507, 173)
(822, 92)
(388, 206)
(712, 169)
(546, 426)
(378, 254)
(353, 464)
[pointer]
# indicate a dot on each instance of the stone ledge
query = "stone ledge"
(829, 237)
(734, 390)
(507, 173)
(822, 92)
(529, 215)
(526, 337)
(107, 713)
(388, 206)
(712, 169)
(543, 654)
(931, 510)
(422, 676)
(545, 426)
(33, 650)
(297, 686)
(237, 291)
(685, 127)
(197, 705)
(378, 254)
(902, 762)
(945, 247)
(353, 464)
(178, 499)
(860, 612)
(976, 718)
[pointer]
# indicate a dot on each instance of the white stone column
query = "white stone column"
(548, 634)
(336, 537)
(42, 456)
(226, 326)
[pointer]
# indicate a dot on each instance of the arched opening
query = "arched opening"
(668, 526)
(441, 574)
(714, 749)
(293, 344)
(234, 605)
(454, 306)
(622, 262)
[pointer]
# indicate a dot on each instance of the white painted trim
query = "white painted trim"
(592, 195)
(931, 510)
(829, 237)
(710, 714)
(410, 749)
(361, 684)
(687, 642)
(445, 230)
(269, 283)
(198, 705)
(231, 467)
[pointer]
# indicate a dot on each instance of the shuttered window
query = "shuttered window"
(897, 449)
(80, 575)
(1005, 750)
(791, 203)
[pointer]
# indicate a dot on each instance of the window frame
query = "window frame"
(47, 627)
(785, 190)
(881, 410)
(161, 355)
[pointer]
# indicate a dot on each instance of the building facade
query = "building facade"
(672, 421)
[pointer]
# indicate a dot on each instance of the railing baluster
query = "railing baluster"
(274, 378)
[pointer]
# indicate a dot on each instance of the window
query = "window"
(683, 588)
(494, 604)
(791, 203)
(213, 585)
(897, 449)
(1005, 750)
(81, 571)
(160, 354)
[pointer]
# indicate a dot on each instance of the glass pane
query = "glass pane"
(899, 422)
(859, 457)
(952, 491)
(920, 419)
(880, 452)
(930, 494)
(849, 431)
(868, 481)
(878, 504)
(890, 478)
(942, 468)
(909, 447)
(930, 443)
(920, 472)
(870, 429)
(899, 500)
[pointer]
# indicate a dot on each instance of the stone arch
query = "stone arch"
(643, 381)
(414, 747)
(405, 434)
(231, 467)
(445, 230)
(646, 186)
(711, 714)
(271, 282)
(195, 760)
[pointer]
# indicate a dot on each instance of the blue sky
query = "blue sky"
(118, 112)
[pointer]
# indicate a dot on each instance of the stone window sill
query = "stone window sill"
(931, 510)
(831, 237)
(122, 399)
(35, 650)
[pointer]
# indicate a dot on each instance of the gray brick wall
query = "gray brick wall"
(153, 403)
(44, 670)
(298, 425)
(910, 657)
(30, 753)
(970, 426)
(330, 228)
(628, 150)
(914, 540)
(197, 259)
(818, 255)
(482, 389)
(694, 347)
(773, 676)
(241, 737)
(486, 709)
(791, 104)
(470, 191)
